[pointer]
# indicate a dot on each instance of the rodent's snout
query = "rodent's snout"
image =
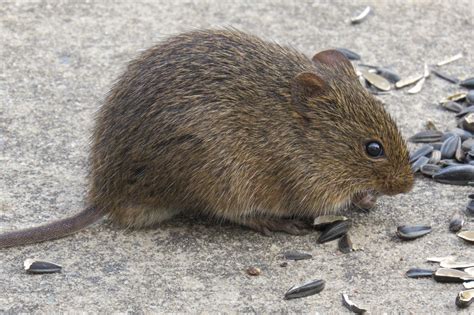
(400, 185)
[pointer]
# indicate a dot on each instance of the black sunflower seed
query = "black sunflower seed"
(305, 289)
(410, 232)
(334, 231)
(468, 83)
(426, 136)
(456, 175)
(422, 151)
(294, 255)
(419, 273)
(422, 160)
(449, 147)
(349, 53)
(38, 266)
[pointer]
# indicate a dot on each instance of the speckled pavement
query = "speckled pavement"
(57, 63)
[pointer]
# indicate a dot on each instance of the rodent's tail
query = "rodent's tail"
(53, 230)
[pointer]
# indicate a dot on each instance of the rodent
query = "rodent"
(225, 123)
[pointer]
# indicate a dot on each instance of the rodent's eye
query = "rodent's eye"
(374, 149)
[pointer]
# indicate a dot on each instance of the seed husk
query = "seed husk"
(334, 231)
(449, 162)
(449, 147)
(419, 85)
(361, 16)
(376, 80)
(324, 220)
(408, 80)
(39, 267)
(388, 74)
(349, 53)
(306, 289)
(467, 122)
(451, 275)
(351, 306)
(418, 164)
(410, 232)
(456, 223)
(430, 125)
(422, 151)
(468, 284)
(451, 264)
(294, 255)
(470, 271)
(465, 298)
(467, 236)
(452, 106)
(419, 273)
(435, 157)
(468, 83)
(426, 136)
(440, 259)
(445, 77)
(253, 271)
(456, 175)
(345, 244)
(456, 97)
(429, 169)
(449, 59)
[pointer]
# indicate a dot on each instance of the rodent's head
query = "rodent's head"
(350, 130)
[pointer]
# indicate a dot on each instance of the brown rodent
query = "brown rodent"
(222, 122)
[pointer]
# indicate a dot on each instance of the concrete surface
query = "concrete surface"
(58, 61)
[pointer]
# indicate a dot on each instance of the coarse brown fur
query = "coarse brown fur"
(245, 130)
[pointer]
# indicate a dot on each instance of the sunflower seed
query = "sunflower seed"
(467, 236)
(361, 16)
(422, 160)
(456, 264)
(440, 259)
(456, 222)
(349, 53)
(345, 244)
(306, 289)
(465, 298)
(468, 284)
(469, 211)
(408, 81)
(435, 157)
(456, 175)
(452, 106)
(449, 162)
(376, 80)
(429, 169)
(456, 97)
(253, 271)
(38, 266)
(419, 85)
(422, 151)
(445, 77)
(470, 97)
(466, 110)
(351, 306)
(450, 146)
(294, 255)
(468, 144)
(334, 231)
(449, 60)
(468, 83)
(426, 136)
(410, 232)
(451, 275)
(464, 134)
(325, 220)
(388, 74)
(419, 273)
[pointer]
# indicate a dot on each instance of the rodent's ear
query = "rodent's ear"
(304, 86)
(333, 58)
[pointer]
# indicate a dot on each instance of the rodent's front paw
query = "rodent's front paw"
(365, 201)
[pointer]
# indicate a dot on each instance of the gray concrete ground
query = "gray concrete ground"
(58, 61)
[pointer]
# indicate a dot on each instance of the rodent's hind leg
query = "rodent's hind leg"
(139, 216)
(267, 225)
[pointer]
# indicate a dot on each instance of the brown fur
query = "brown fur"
(225, 123)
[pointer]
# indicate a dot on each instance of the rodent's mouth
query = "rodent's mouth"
(365, 199)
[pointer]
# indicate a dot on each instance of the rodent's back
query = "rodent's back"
(200, 111)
